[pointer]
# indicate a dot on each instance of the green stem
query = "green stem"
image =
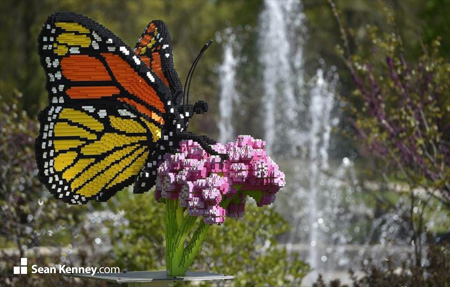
(176, 242)
(178, 257)
(179, 215)
(180, 240)
(194, 245)
(171, 230)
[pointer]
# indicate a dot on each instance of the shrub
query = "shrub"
(246, 249)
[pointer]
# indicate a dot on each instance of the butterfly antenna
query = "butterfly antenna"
(187, 84)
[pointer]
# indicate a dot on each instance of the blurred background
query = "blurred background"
(351, 96)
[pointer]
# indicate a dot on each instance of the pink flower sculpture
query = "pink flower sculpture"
(214, 188)
(194, 184)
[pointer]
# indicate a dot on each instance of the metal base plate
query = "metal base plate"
(152, 278)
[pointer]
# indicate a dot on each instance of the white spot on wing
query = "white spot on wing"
(96, 36)
(150, 77)
(88, 108)
(102, 113)
(123, 112)
(74, 50)
(124, 50)
(136, 60)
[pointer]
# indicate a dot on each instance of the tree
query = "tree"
(399, 110)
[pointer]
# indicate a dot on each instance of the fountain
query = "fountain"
(322, 101)
(282, 59)
(228, 95)
(332, 228)
(296, 114)
(302, 121)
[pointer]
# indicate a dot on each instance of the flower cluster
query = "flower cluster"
(211, 187)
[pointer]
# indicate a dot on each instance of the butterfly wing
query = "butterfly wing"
(83, 156)
(155, 49)
(107, 110)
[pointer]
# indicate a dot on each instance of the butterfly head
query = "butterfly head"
(186, 111)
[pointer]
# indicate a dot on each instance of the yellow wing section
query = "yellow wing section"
(86, 156)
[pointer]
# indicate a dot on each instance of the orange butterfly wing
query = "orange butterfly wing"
(107, 111)
(154, 48)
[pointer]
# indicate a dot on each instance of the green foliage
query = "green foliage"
(30, 218)
(436, 25)
(246, 249)
(27, 209)
(139, 243)
(400, 108)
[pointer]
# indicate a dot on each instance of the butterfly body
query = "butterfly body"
(113, 112)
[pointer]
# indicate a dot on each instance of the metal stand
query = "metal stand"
(152, 278)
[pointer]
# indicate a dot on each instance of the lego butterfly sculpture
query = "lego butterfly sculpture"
(113, 112)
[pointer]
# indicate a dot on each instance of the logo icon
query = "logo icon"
(22, 269)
